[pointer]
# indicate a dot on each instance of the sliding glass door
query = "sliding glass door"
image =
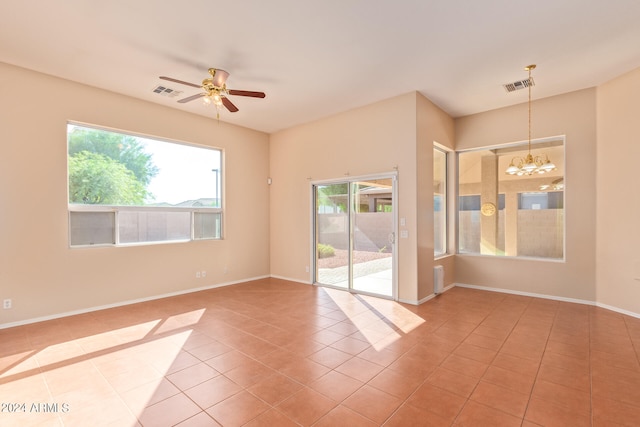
(355, 235)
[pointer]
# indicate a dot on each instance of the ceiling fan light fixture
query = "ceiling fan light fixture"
(215, 91)
(218, 77)
(216, 99)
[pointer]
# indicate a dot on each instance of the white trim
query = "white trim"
(355, 291)
(116, 209)
(128, 302)
(313, 249)
(428, 297)
(447, 187)
(618, 310)
(526, 294)
(393, 175)
(445, 289)
(395, 247)
(552, 297)
(219, 285)
(136, 134)
(273, 276)
(75, 207)
(523, 142)
(349, 178)
(510, 257)
(563, 138)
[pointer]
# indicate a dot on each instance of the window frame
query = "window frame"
(444, 205)
(116, 209)
(522, 144)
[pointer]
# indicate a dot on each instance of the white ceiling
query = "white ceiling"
(317, 59)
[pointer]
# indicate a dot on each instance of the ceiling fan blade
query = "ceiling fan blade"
(232, 108)
(191, 98)
(180, 81)
(246, 93)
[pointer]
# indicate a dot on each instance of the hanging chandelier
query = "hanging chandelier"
(530, 164)
(556, 185)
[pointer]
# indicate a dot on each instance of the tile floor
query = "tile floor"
(275, 353)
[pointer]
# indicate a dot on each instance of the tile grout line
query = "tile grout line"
(492, 360)
(590, 319)
(535, 379)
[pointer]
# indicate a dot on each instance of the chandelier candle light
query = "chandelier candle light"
(530, 164)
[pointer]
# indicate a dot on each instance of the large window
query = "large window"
(126, 189)
(439, 202)
(511, 215)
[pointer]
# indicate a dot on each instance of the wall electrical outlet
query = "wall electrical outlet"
(203, 274)
(197, 274)
(6, 304)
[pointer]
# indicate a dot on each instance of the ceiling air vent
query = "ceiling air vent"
(520, 84)
(165, 91)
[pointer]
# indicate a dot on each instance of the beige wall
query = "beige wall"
(40, 273)
(370, 140)
(574, 116)
(433, 125)
(395, 133)
(44, 277)
(618, 201)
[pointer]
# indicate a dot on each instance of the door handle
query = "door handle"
(392, 238)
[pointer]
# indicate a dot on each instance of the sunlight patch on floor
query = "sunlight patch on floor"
(380, 321)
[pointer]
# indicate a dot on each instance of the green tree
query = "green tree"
(125, 149)
(334, 195)
(98, 179)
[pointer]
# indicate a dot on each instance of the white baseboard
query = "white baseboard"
(550, 297)
(618, 310)
(123, 303)
(219, 285)
(526, 294)
(290, 279)
(428, 297)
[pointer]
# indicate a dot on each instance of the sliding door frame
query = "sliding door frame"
(313, 209)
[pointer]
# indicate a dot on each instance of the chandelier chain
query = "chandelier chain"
(529, 165)
(529, 68)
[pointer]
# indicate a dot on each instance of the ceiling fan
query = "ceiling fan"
(215, 90)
